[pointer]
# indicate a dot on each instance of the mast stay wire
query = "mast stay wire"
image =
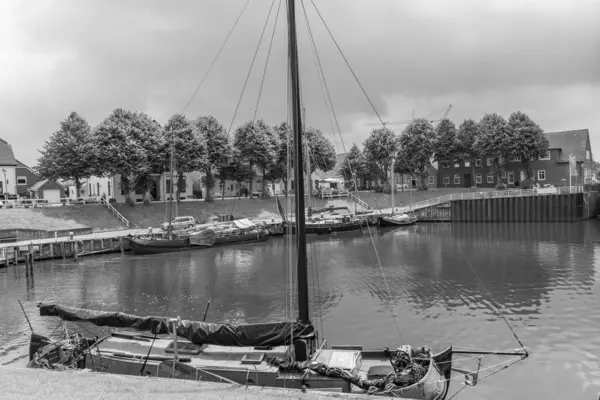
(197, 87)
(266, 62)
(251, 66)
(379, 117)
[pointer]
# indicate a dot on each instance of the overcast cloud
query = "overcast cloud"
(540, 57)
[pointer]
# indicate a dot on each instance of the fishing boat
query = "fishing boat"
(213, 235)
(278, 354)
(393, 219)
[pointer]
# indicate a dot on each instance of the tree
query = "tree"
(235, 169)
(279, 169)
(446, 144)
(380, 149)
(322, 151)
(495, 141)
(129, 144)
(218, 150)
(257, 144)
(466, 137)
(190, 153)
(417, 146)
(353, 165)
(69, 153)
(528, 141)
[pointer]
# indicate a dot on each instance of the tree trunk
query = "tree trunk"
(223, 189)
(264, 182)
(285, 185)
(209, 180)
(473, 178)
(77, 188)
(126, 190)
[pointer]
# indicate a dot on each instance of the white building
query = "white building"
(8, 169)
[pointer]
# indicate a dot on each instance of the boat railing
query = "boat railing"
(115, 212)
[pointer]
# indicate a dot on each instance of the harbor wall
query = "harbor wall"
(31, 234)
(545, 208)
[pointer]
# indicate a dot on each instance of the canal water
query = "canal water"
(443, 281)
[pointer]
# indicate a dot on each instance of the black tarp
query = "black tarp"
(267, 334)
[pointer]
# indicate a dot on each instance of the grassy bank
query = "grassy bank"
(93, 216)
(25, 383)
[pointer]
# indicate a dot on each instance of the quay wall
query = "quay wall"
(30, 234)
(545, 208)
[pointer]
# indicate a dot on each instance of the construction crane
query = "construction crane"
(385, 123)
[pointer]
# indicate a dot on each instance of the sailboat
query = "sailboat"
(278, 354)
(213, 235)
(394, 219)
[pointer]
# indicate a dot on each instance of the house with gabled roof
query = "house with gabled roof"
(8, 166)
(553, 169)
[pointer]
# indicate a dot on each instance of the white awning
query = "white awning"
(243, 223)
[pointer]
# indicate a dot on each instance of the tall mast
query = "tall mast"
(170, 214)
(302, 270)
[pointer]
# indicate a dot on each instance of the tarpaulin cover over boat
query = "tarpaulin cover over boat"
(267, 334)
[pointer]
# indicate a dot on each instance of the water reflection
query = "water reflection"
(542, 276)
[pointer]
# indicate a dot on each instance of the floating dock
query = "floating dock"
(73, 247)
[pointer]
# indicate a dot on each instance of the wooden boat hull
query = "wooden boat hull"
(434, 386)
(391, 221)
(157, 246)
(324, 229)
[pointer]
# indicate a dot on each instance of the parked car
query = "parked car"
(180, 223)
(400, 186)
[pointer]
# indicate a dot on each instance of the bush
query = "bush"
(501, 186)
(591, 187)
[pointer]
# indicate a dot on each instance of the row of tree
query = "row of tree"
(135, 147)
(420, 143)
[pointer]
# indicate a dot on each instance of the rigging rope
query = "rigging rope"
(266, 62)
(492, 301)
(251, 66)
(197, 88)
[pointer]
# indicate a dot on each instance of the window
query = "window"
(478, 178)
(445, 164)
(446, 180)
(21, 180)
(138, 189)
(457, 179)
(516, 159)
(490, 177)
(430, 180)
(169, 186)
(478, 162)
(511, 178)
(467, 164)
(456, 165)
(541, 175)
(546, 156)
(489, 162)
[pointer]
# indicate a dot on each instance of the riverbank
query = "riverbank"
(26, 383)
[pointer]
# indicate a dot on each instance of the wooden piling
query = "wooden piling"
(75, 247)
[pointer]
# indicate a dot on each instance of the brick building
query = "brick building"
(552, 169)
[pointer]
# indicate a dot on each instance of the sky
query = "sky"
(541, 57)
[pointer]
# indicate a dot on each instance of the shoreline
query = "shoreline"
(28, 383)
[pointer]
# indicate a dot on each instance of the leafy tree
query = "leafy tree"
(354, 164)
(380, 149)
(218, 150)
(417, 146)
(466, 137)
(69, 153)
(528, 141)
(322, 151)
(129, 144)
(257, 144)
(190, 152)
(495, 141)
(235, 169)
(446, 144)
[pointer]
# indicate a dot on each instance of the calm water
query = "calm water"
(543, 276)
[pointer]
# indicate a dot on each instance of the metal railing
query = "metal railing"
(358, 201)
(115, 212)
(492, 195)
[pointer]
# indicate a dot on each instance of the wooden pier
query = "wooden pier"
(73, 247)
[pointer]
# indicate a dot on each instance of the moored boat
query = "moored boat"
(397, 219)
